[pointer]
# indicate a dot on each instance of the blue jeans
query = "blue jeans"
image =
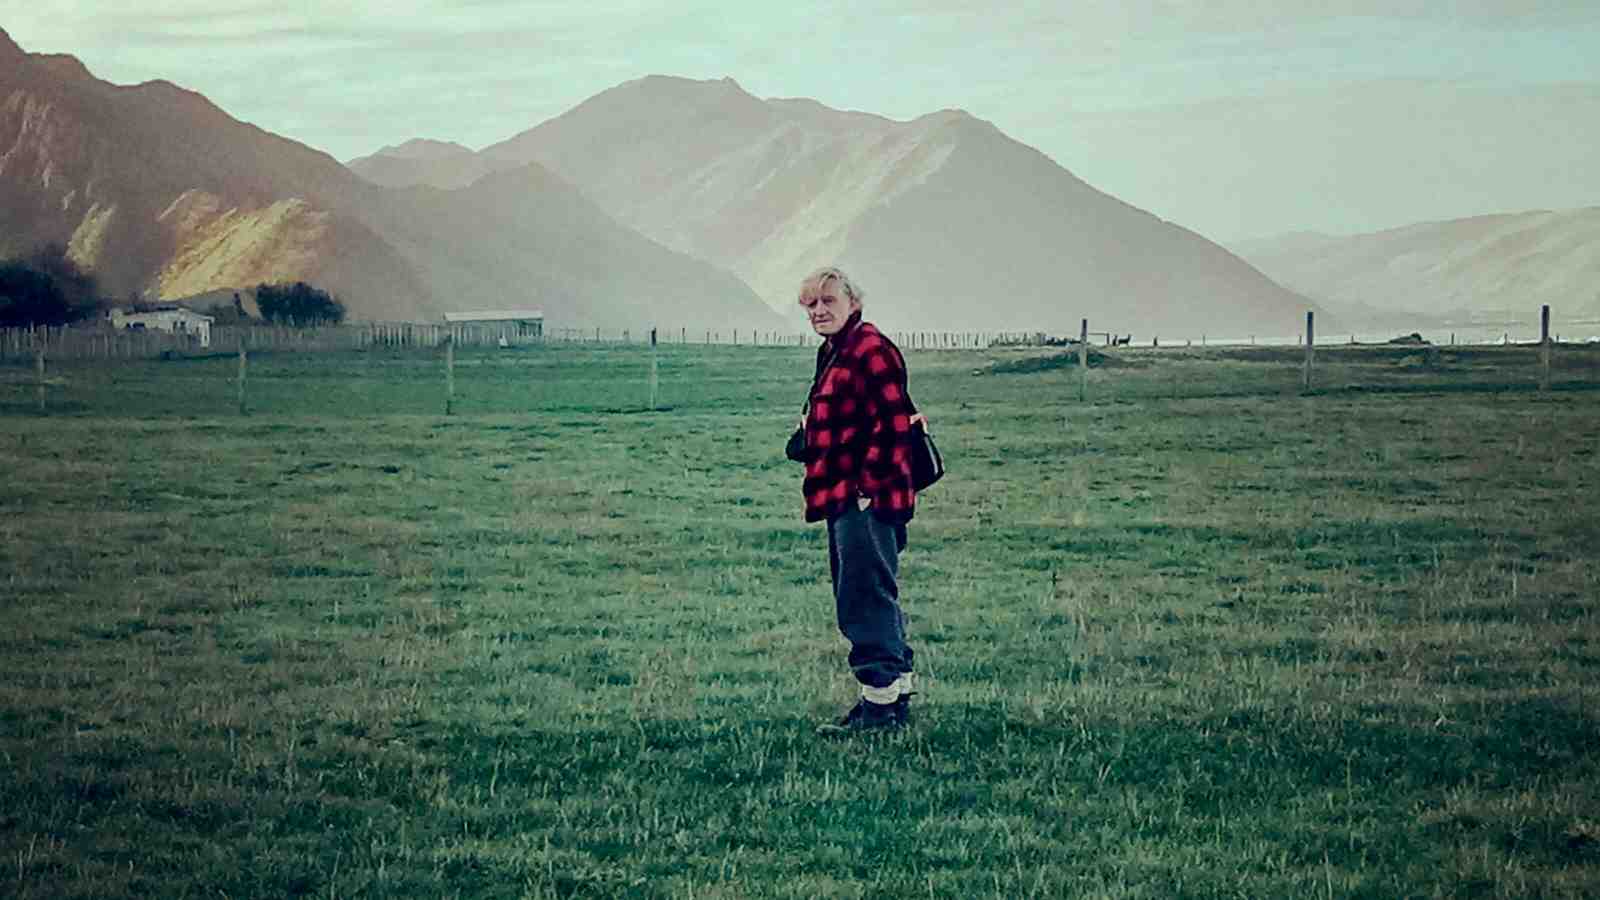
(864, 560)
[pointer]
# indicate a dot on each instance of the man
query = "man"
(857, 432)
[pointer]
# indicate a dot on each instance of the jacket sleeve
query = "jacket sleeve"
(886, 468)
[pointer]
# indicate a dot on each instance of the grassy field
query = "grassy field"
(1199, 636)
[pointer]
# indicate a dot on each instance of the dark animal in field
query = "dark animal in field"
(1121, 341)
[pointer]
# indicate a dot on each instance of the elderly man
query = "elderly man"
(856, 450)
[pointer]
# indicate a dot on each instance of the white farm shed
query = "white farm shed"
(171, 319)
(509, 325)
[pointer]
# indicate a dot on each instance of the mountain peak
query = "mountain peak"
(60, 65)
(959, 118)
(424, 148)
(678, 87)
(657, 79)
(194, 109)
(163, 87)
(651, 103)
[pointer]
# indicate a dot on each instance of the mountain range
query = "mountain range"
(947, 222)
(1479, 268)
(161, 194)
(660, 201)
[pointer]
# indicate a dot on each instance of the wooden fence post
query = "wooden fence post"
(38, 370)
(1083, 361)
(1310, 346)
(653, 377)
(450, 376)
(243, 363)
(1544, 347)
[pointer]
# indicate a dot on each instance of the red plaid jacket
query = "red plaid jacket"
(858, 429)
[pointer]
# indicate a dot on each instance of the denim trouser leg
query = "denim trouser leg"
(863, 557)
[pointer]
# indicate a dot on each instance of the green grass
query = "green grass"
(1201, 636)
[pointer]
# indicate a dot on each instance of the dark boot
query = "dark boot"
(868, 716)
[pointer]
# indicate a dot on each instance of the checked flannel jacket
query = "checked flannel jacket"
(858, 429)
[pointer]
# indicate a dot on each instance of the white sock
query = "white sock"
(881, 696)
(888, 694)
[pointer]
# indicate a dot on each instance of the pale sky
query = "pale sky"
(1234, 118)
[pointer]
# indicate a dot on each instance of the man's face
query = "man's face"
(828, 310)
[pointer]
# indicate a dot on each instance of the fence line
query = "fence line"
(909, 340)
(38, 346)
(101, 342)
(98, 341)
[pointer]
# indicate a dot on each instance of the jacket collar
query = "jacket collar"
(843, 336)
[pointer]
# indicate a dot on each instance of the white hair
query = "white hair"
(817, 282)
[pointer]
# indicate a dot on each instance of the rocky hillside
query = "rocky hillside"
(150, 185)
(159, 192)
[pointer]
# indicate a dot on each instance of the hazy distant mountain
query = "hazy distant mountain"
(419, 161)
(947, 222)
(423, 149)
(1478, 267)
(158, 191)
(524, 237)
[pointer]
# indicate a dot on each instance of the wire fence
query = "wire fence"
(97, 368)
(584, 378)
(88, 343)
(99, 341)
(910, 340)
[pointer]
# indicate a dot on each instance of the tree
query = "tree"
(298, 304)
(46, 288)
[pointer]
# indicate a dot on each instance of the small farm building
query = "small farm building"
(172, 319)
(510, 325)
